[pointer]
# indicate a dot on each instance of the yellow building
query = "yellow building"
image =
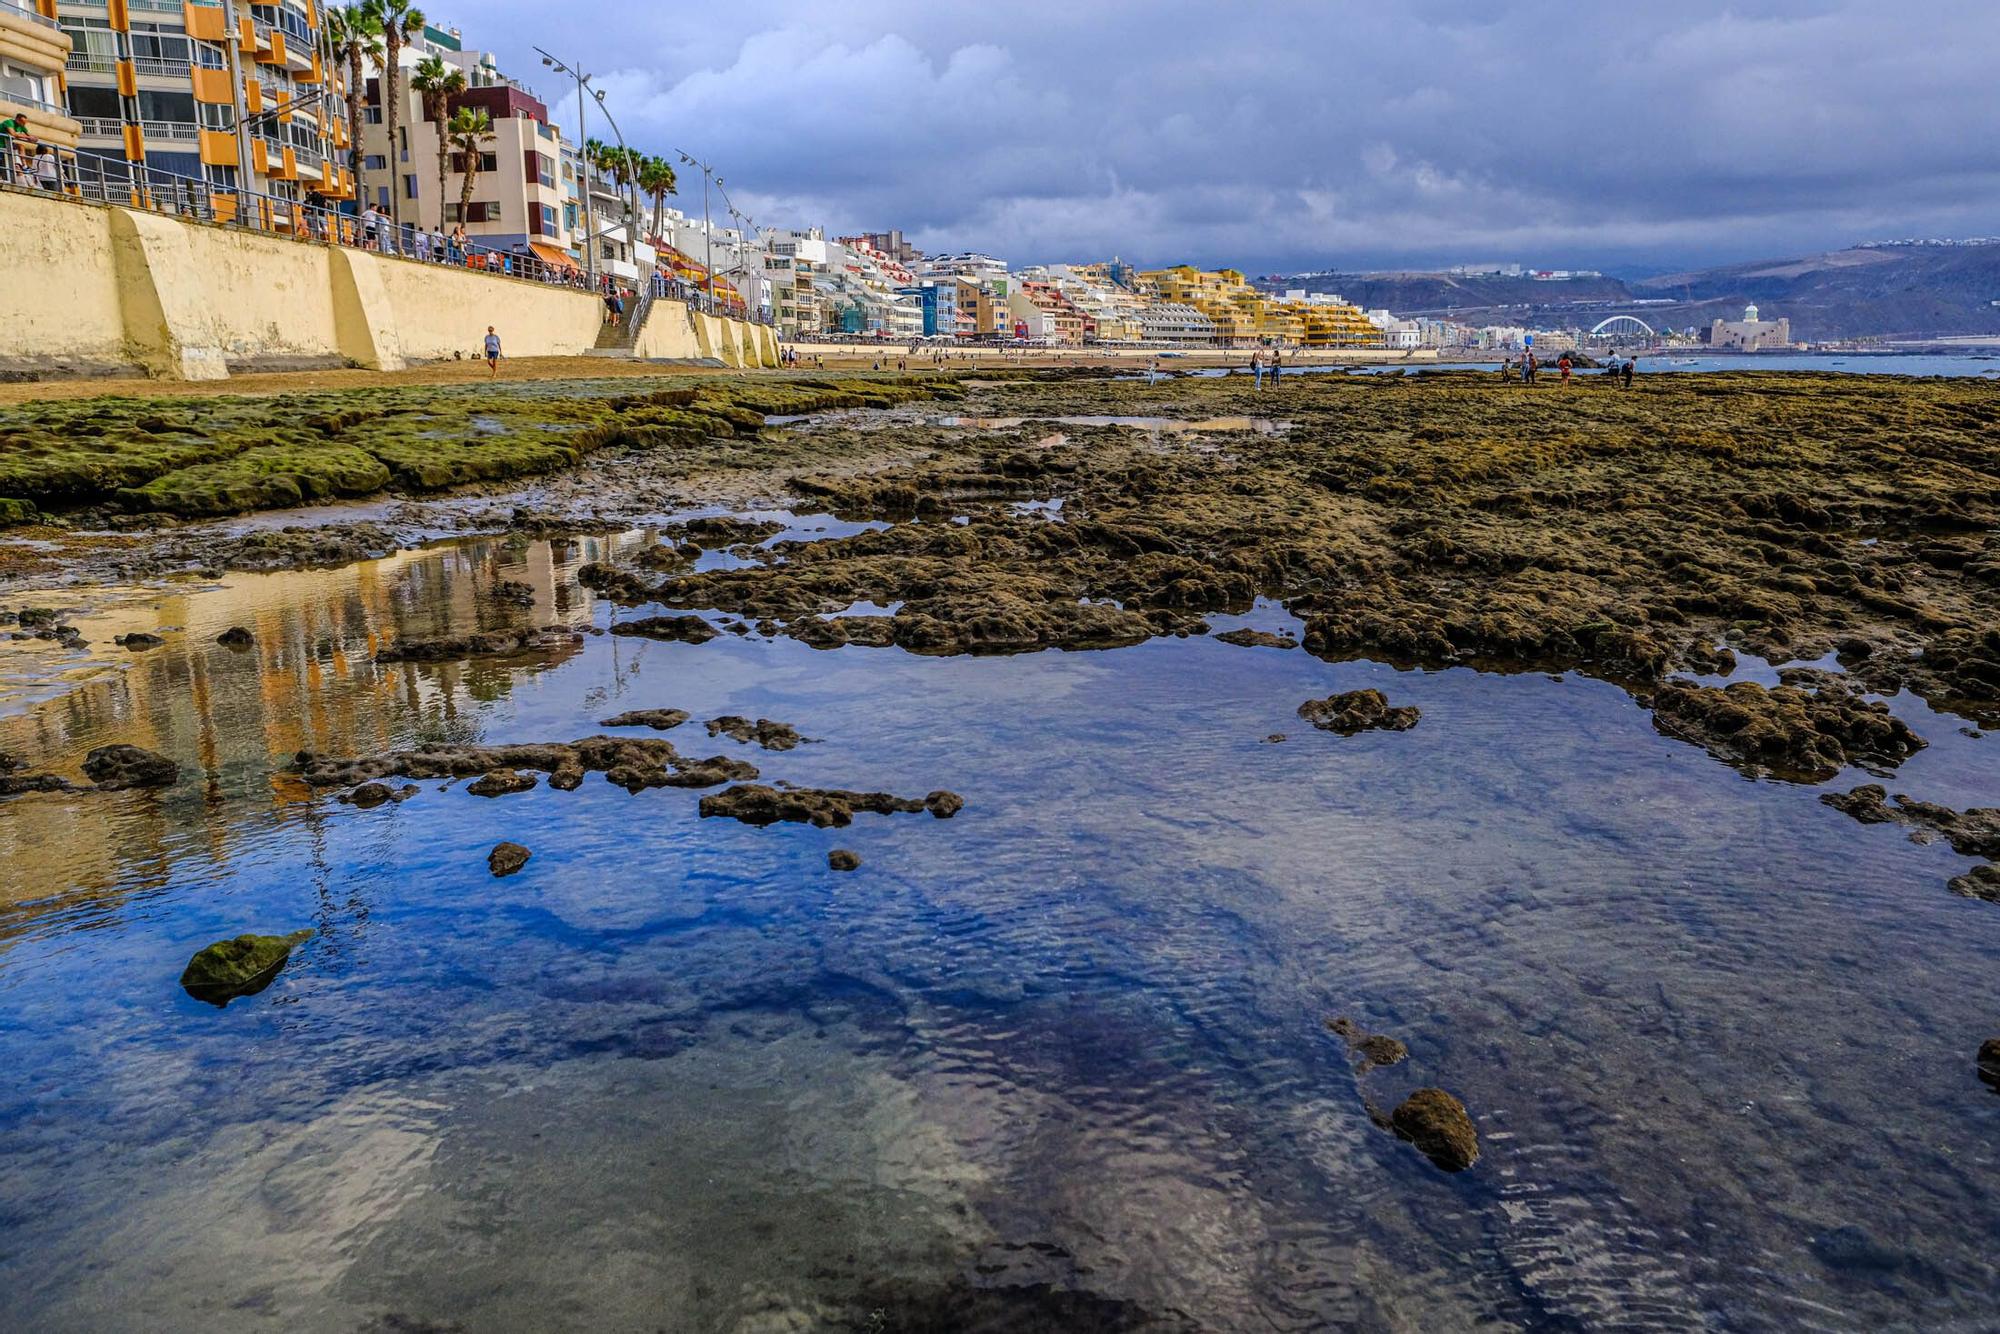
(33, 51)
(1242, 315)
(1328, 324)
(184, 86)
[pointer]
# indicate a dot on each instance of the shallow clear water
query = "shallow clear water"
(1057, 1063)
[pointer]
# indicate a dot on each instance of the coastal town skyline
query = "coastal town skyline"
(1300, 139)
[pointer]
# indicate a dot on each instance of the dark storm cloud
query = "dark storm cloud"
(1289, 135)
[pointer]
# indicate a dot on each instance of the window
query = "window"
(93, 46)
(22, 83)
(209, 56)
(545, 169)
(382, 197)
(371, 115)
(94, 103)
(161, 45)
(165, 106)
(548, 220)
(374, 162)
(212, 117)
(409, 187)
(480, 210)
(487, 162)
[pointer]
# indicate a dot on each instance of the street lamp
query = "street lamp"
(582, 136)
(707, 237)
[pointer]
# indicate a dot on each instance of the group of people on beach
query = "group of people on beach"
(1619, 370)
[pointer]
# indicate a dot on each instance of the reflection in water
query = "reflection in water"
(1057, 1063)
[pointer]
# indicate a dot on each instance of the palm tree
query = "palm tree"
(352, 36)
(471, 129)
(656, 178)
(438, 83)
(400, 24)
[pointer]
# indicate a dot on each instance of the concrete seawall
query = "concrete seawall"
(92, 289)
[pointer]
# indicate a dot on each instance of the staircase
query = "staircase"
(618, 340)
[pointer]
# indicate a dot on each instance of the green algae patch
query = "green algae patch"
(227, 455)
(272, 477)
(240, 967)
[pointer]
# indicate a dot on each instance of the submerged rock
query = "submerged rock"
(240, 967)
(236, 637)
(137, 641)
(770, 735)
(123, 766)
(368, 796)
(1974, 832)
(756, 804)
(1437, 1124)
(483, 643)
(1989, 1063)
(680, 629)
(13, 781)
(1358, 711)
(507, 858)
(514, 591)
(500, 783)
(1256, 639)
(1374, 1049)
(840, 859)
(1785, 732)
(630, 762)
(660, 720)
(1981, 882)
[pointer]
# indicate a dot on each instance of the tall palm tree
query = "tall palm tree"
(471, 129)
(656, 178)
(401, 24)
(437, 83)
(353, 35)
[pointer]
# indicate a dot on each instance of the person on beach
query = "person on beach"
(1562, 365)
(492, 353)
(1626, 373)
(1257, 368)
(1506, 369)
(1277, 366)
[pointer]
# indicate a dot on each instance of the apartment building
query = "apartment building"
(214, 90)
(33, 52)
(1176, 324)
(520, 201)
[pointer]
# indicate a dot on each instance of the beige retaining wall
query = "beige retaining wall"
(91, 289)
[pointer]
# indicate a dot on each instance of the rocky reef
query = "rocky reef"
(243, 966)
(1358, 711)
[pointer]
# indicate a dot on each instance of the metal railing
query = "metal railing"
(15, 7)
(158, 67)
(101, 178)
(99, 126)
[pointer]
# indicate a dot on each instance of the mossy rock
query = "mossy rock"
(272, 477)
(240, 967)
(14, 511)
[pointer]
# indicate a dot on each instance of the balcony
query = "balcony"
(78, 63)
(98, 127)
(179, 131)
(161, 69)
(19, 10)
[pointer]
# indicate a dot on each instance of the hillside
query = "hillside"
(1907, 291)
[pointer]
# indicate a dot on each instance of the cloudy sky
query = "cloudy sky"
(1280, 135)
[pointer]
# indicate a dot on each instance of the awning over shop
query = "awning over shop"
(549, 254)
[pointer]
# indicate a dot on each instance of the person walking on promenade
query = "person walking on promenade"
(371, 221)
(492, 353)
(1257, 369)
(458, 243)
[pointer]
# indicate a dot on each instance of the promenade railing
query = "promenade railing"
(100, 178)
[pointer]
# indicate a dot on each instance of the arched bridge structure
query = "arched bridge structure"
(1625, 326)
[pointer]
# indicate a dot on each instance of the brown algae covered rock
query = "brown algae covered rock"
(480, 644)
(756, 804)
(500, 783)
(1784, 732)
(507, 858)
(121, 766)
(679, 629)
(1256, 639)
(236, 637)
(1981, 882)
(1438, 1125)
(1358, 711)
(660, 720)
(840, 859)
(763, 732)
(240, 967)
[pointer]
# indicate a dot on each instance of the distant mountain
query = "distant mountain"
(1892, 291)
